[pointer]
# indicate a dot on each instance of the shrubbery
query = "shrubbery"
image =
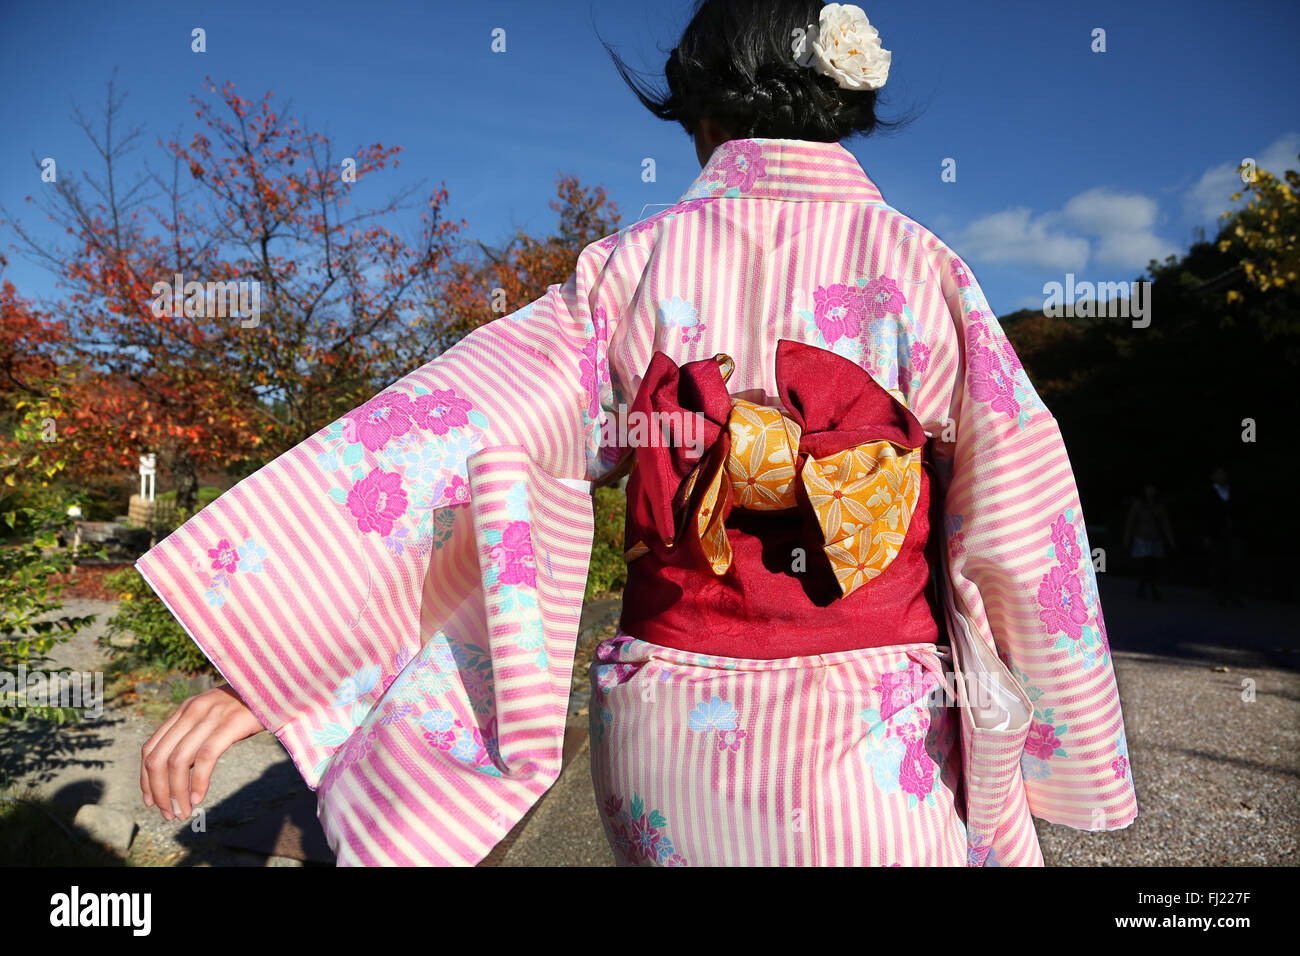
(608, 569)
(159, 637)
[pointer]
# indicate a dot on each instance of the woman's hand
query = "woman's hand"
(176, 763)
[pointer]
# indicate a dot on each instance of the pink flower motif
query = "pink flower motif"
(920, 357)
(916, 772)
(1120, 766)
(224, 556)
(900, 688)
(959, 273)
(377, 501)
(600, 321)
(440, 410)
(1061, 595)
(731, 739)
(456, 492)
(514, 555)
(1065, 540)
(1042, 740)
(1009, 355)
(441, 739)
(693, 333)
(742, 164)
(883, 297)
(383, 417)
(989, 383)
(958, 544)
(593, 370)
(838, 311)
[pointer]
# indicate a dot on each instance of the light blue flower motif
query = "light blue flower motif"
(328, 461)
(522, 314)
(436, 720)
(700, 189)
(885, 758)
(1121, 745)
(1034, 768)
(396, 452)
(713, 714)
(357, 685)
(424, 462)
(677, 312)
(458, 445)
(214, 597)
(664, 848)
(250, 556)
(517, 502)
(465, 749)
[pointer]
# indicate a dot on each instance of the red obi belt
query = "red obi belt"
(761, 533)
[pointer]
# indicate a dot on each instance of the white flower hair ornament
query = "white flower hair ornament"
(848, 50)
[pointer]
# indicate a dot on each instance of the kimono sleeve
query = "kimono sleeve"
(1019, 556)
(397, 597)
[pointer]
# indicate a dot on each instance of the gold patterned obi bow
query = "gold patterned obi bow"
(845, 446)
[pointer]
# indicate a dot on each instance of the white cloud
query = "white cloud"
(1099, 211)
(1122, 224)
(1016, 236)
(1211, 195)
(1107, 227)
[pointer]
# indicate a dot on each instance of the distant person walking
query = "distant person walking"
(1222, 538)
(1146, 534)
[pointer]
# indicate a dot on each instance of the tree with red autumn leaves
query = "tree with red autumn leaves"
(346, 305)
(251, 196)
(488, 283)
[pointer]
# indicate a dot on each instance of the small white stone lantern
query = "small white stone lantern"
(148, 469)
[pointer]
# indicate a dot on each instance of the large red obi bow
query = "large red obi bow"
(843, 444)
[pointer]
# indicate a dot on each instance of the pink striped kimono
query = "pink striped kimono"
(397, 598)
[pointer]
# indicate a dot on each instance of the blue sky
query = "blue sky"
(1067, 160)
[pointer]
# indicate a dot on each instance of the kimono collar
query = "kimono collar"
(796, 169)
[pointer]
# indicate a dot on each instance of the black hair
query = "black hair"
(736, 64)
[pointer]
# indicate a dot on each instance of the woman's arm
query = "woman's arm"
(437, 509)
(1021, 560)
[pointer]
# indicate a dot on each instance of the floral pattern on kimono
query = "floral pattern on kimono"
(733, 169)
(897, 751)
(220, 563)
(639, 834)
(406, 492)
(868, 321)
(994, 373)
(719, 717)
(512, 574)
